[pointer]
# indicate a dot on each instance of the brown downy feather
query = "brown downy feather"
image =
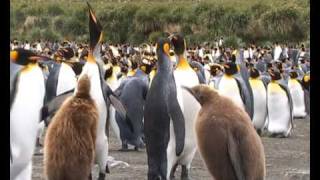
(70, 139)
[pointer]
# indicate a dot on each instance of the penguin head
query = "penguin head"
(200, 92)
(178, 43)
(293, 74)
(230, 68)
(254, 73)
(275, 74)
(215, 69)
(109, 71)
(163, 48)
(23, 57)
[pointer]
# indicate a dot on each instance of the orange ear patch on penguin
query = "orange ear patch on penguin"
(166, 48)
(14, 56)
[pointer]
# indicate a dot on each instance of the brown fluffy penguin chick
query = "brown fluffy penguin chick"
(70, 139)
(227, 140)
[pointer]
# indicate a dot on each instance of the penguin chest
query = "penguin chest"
(260, 102)
(67, 79)
(190, 108)
(228, 87)
(297, 94)
(278, 109)
(96, 93)
(113, 82)
(25, 112)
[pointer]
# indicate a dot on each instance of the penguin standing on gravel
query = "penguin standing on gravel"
(99, 91)
(227, 141)
(27, 93)
(280, 106)
(184, 75)
(164, 123)
(259, 89)
(298, 97)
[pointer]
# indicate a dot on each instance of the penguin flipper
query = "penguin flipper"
(246, 96)
(307, 100)
(202, 80)
(51, 107)
(235, 157)
(178, 121)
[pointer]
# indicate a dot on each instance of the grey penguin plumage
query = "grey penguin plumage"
(132, 94)
(227, 141)
(162, 109)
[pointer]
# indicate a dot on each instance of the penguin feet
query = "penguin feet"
(107, 169)
(38, 143)
(124, 147)
(102, 176)
(173, 170)
(185, 173)
(259, 132)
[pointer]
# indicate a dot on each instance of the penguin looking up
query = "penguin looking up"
(227, 141)
(27, 93)
(164, 123)
(184, 75)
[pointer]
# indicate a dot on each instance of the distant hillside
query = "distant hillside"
(136, 21)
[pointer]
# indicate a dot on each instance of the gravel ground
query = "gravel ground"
(286, 159)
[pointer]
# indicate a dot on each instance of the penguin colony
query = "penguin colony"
(152, 100)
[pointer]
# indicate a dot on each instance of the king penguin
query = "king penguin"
(298, 97)
(259, 89)
(62, 77)
(184, 75)
(98, 91)
(233, 85)
(27, 94)
(164, 123)
(280, 107)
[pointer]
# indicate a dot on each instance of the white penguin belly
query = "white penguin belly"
(67, 79)
(24, 119)
(297, 94)
(229, 87)
(190, 108)
(114, 84)
(91, 69)
(260, 103)
(278, 110)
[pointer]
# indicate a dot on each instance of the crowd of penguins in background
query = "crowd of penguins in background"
(168, 97)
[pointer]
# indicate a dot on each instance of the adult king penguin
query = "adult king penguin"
(98, 91)
(280, 107)
(164, 124)
(259, 89)
(27, 94)
(298, 97)
(184, 75)
(233, 85)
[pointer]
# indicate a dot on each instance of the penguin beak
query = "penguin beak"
(191, 92)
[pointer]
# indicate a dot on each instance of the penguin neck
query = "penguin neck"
(132, 72)
(182, 62)
(29, 67)
(165, 65)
